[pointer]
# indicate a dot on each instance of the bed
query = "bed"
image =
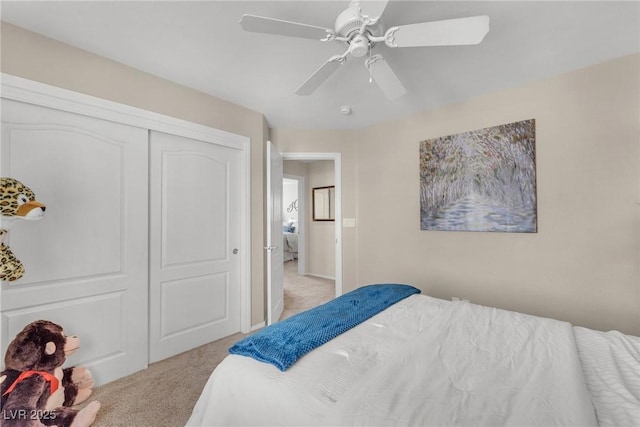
(426, 361)
(290, 245)
(290, 241)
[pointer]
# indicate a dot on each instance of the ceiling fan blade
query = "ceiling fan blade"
(373, 8)
(384, 77)
(461, 31)
(261, 24)
(321, 74)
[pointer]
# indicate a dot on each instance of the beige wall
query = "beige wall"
(583, 265)
(321, 253)
(296, 167)
(32, 56)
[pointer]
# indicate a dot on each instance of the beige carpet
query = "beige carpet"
(164, 394)
(304, 292)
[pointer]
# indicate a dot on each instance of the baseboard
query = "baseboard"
(258, 326)
(321, 276)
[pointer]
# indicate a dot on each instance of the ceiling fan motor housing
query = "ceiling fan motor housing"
(348, 25)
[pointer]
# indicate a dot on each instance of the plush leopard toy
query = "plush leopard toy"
(17, 201)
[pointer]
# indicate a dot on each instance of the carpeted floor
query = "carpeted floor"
(164, 394)
(304, 292)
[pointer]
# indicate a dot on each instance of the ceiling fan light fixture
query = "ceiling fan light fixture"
(359, 46)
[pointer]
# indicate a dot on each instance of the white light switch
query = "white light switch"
(348, 222)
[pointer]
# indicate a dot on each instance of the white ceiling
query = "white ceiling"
(201, 45)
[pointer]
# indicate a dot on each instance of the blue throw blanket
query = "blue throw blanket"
(283, 343)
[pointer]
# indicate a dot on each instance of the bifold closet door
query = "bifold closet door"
(86, 260)
(194, 243)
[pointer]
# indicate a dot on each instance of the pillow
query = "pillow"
(288, 229)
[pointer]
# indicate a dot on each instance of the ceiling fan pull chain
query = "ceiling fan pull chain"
(369, 67)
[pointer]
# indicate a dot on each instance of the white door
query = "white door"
(275, 261)
(194, 243)
(86, 260)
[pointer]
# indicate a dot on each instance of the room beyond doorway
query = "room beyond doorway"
(335, 158)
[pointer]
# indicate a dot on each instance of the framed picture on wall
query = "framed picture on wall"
(480, 180)
(324, 203)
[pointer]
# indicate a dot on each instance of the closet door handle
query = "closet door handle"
(271, 248)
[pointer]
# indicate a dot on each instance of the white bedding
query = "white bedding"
(475, 366)
(321, 388)
(290, 245)
(611, 363)
(244, 392)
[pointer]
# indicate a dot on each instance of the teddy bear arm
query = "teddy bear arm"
(78, 383)
(78, 375)
(70, 395)
(60, 417)
(8, 377)
(69, 417)
(25, 400)
(32, 391)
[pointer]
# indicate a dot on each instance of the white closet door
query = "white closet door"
(194, 242)
(86, 261)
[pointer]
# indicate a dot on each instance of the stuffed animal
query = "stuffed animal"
(36, 391)
(17, 201)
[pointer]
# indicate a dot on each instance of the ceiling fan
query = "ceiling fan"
(360, 28)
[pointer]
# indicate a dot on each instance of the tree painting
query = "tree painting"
(481, 180)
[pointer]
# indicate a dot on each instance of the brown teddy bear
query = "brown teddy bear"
(36, 391)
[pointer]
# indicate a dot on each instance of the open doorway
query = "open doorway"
(313, 273)
(302, 291)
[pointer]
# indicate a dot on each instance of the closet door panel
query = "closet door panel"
(191, 196)
(86, 169)
(195, 227)
(86, 260)
(72, 314)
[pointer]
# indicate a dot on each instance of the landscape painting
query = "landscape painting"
(481, 180)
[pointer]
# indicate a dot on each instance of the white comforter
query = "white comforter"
(475, 366)
(411, 365)
(611, 364)
(290, 242)
(244, 392)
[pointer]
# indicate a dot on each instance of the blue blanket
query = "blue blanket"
(283, 343)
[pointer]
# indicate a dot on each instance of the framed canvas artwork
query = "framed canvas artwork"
(480, 180)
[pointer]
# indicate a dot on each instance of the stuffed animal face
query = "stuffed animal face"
(17, 201)
(40, 346)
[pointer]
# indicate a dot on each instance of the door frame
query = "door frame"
(337, 170)
(274, 248)
(42, 94)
